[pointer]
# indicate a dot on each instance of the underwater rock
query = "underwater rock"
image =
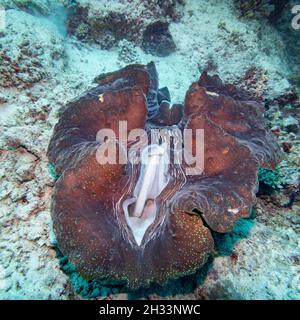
(106, 25)
(138, 223)
(158, 40)
(289, 97)
(290, 124)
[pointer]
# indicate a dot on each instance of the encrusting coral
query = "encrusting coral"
(151, 222)
(136, 21)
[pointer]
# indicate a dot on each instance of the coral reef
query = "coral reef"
(106, 25)
(282, 176)
(259, 259)
(109, 193)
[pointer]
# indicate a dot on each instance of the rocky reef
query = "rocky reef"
(108, 23)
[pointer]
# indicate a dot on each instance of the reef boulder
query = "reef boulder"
(106, 25)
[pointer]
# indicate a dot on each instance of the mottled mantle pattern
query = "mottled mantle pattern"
(87, 209)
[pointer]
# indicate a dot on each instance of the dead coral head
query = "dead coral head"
(140, 219)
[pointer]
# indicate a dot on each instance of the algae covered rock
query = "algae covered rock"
(106, 23)
(158, 40)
